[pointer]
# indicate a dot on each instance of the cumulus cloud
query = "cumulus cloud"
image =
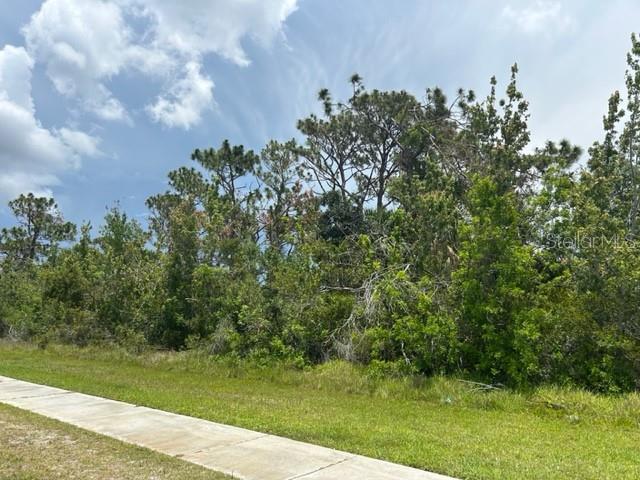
(31, 155)
(82, 43)
(540, 17)
(15, 77)
(86, 43)
(183, 104)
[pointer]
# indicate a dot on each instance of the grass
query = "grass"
(438, 424)
(36, 447)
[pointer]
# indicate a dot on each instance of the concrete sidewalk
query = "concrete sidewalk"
(238, 452)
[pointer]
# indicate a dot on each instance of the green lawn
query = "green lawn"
(33, 447)
(440, 424)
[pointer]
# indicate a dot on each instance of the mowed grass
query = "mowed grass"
(437, 424)
(36, 447)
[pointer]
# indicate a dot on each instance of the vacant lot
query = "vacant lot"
(441, 424)
(35, 447)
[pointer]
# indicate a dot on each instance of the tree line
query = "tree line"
(415, 235)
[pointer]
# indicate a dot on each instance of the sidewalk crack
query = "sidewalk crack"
(302, 475)
(218, 447)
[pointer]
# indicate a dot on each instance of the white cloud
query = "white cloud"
(540, 17)
(31, 155)
(80, 142)
(183, 104)
(198, 27)
(82, 43)
(15, 76)
(13, 184)
(86, 43)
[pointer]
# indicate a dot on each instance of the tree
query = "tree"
(127, 279)
(495, 287)
(612, 175)
(358, 148)
(499, 133)
(421, 236)
(279, 173)
(228, 166)
(40, 229)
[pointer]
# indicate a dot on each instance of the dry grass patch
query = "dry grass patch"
(36, 447)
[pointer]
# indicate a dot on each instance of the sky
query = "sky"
(99, 99)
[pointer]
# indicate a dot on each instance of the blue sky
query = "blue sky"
(100, 99)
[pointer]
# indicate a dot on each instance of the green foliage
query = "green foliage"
(408, 327)
(416, 236)
(39, 230)
(496, 287)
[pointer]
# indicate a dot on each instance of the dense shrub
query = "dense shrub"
(415, 237)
